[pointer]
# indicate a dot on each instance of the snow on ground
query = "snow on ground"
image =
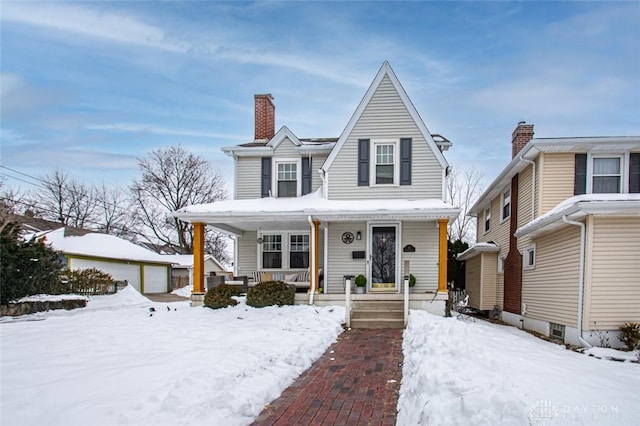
(473, 372)
(184, 291)
(112, 363)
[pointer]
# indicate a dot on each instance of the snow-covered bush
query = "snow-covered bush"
(221, 296)
(271, 293)
(630, 335)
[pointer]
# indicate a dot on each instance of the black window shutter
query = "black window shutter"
(405, 161)
(306, 175)
(363, 162)
(580, 180)
(634, 173)
(265, 177)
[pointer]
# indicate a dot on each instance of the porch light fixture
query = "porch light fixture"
(259, 240)
(358, 235)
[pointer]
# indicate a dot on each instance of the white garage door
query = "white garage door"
(119, 271)
(155, 279)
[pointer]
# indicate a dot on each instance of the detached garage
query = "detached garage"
(146, 271)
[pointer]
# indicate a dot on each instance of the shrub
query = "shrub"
(27, 267)
(630, 335)
(220, 296)
(92, 280)
(361, 281)
(412, 280)
(271, 293)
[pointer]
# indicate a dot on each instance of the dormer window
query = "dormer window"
(287, 178)
(606, 175)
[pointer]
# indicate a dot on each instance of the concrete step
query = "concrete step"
(377, 314)
(377, 323)
(380, 305)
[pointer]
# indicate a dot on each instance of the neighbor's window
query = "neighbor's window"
(385, 164)
(298, 251)
(530, 257)
(506, 204)
(287, 184)
(606, 175)
(487, 219)
(272, 251)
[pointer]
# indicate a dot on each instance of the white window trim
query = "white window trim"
(525, 264)
(624, 170)
(396, 161)
(501, 260)
(286, 242)
(484, 222)
(274, 177)
(502, 204)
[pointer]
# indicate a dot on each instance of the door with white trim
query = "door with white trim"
(383, 250)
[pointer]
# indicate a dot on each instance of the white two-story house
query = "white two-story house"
(369, 202)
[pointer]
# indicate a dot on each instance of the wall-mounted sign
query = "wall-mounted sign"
(347, 237)
(409, 248)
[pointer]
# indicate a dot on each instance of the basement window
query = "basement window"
(556, 331)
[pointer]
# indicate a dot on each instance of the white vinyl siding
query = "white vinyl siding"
(316, 163)
(613, 296)
(557, 180)
(550, 291)
(339, 257)
(286, 148)
(248, 184)
(155, 279)
(424, 261)
(385, 117)
(247, 253)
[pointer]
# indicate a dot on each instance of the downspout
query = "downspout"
(312, 262)
(533, 185)
(580, 277)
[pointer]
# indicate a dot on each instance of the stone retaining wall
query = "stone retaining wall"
(25, 308)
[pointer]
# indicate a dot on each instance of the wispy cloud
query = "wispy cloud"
(89, 22)
(158, 130)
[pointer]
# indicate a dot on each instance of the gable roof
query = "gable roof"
(186, 260)
(94, 244)
(385, 70)
(281, 135)
(267, 148)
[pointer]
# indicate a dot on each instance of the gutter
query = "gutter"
(581, 277)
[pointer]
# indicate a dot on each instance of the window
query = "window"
(299, 251)
(557, 330)
(506, 204)
(501, 260)
(272, 251)
(530, 257)
(284, 250)
(606, 175)
(487, 219)
(287, 179)
(385, 164)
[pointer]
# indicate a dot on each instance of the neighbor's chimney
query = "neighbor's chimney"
(520, 136)
(265, 117)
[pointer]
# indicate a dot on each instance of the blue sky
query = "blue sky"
(91, 86)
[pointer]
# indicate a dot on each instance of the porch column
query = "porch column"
(442, 254)
(316, 255)
(198, 258)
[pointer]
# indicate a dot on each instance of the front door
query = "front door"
(383, 257)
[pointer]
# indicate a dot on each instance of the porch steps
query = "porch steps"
(377, 314)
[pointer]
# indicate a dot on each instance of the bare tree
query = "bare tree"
(65, 200)
(112, 212)
(463, 190)
(173, 178)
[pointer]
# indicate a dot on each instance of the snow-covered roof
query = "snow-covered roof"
(487, 247)
(94, 244)
(315, 205)
(266, 149)
(186, 260)
(580, 206)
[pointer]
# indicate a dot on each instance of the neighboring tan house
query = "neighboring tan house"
(182, 268)
(369, 202)
(146, 271)
(558, 237)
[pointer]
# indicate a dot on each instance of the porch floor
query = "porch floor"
(355, 382)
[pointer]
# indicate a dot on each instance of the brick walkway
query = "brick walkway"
(356, 382)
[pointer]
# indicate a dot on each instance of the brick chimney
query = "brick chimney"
(265, 117)
(520, 136)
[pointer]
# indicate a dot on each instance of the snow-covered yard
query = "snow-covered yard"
(476, 373)
(113, 363)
